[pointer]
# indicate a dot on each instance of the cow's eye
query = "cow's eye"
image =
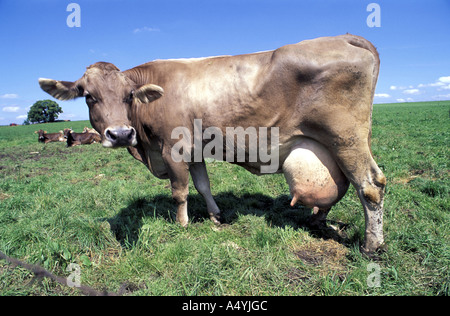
(129, 98)
(90, 100)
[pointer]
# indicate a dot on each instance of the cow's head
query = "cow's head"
(109, 95)
(40, 133)
(66, 132)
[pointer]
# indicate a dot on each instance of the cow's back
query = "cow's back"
(272, 88)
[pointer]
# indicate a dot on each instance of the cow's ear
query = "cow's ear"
(148, 93)
(62, 90)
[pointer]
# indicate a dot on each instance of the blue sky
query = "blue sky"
(35, 41)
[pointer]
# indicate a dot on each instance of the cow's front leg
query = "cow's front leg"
(201, 182)
(179, 180)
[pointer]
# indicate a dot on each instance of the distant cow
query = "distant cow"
(45, 137)
(315, 95)
(90, 130)
(74, 139)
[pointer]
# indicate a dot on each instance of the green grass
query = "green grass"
(103, 210)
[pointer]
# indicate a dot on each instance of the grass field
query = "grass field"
(101, 209)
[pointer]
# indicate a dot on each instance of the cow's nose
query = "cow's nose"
(120, 136)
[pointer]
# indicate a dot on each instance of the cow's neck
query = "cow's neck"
(140, 75)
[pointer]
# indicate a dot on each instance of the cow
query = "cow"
(312, 99)
(44, 137)
(74, 139)
(89, 130)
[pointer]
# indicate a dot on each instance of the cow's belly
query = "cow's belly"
(314, 178)
(156, 164)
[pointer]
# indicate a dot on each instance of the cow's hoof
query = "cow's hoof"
(215, 219)
(183, 223)
(374, 254)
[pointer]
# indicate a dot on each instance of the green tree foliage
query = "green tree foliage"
(44, 111)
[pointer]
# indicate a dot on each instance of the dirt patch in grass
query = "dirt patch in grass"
(4, 196)
(297, 276)
(327, 254)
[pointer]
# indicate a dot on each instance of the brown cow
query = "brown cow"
(45, 137)
(313, 100)
(89, 130)
(74, 139)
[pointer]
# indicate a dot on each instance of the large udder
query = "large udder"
(314, 178)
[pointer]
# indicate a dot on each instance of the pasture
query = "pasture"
(103, 210)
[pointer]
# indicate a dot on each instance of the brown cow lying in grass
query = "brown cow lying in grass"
(90, 130)
(45, 137)
(74, 139)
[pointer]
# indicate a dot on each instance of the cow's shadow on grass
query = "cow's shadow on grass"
(277, 212)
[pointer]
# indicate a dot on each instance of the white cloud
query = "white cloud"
(146, 29)
(382, 95)
(11, 109)
(411, 91)
(441, 83)
(405, 100)
(400, 87)
(441, 96)
(67, 116)
(21, 117)
(436, 84)
(9, 96)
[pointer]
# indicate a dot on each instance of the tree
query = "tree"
(44, 111)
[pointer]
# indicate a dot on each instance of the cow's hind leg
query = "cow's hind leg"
(201, 183)
(371, 193)
(369, 181)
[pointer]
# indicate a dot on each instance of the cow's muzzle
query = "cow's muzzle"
(119, 136)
